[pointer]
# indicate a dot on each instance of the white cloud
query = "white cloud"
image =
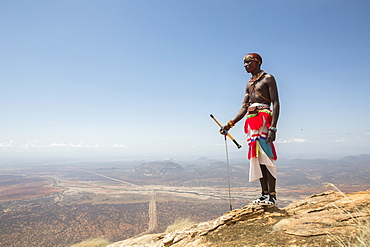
(119, 146)
(31, 144)
(93, 146)
(35, 144)
(8, 144)
(71, 145)
(58, 145)
(342, 140)
(293, 139)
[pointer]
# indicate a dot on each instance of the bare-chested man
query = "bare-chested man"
(260, 127)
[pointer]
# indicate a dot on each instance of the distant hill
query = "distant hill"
(157, 168)
(351, 171)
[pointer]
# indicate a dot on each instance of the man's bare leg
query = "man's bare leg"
(264, 180)
(268, 183)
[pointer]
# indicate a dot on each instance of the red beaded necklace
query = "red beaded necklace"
(255, 78)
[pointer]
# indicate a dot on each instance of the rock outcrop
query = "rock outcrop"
(319, 220)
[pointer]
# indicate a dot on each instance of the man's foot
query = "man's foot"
(259, 200)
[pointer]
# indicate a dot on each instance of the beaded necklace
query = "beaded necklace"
(254, 80)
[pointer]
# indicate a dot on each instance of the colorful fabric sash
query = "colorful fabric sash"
(256, 127)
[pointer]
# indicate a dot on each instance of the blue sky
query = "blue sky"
(138, 79)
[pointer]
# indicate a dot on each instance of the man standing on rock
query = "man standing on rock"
(260, 127)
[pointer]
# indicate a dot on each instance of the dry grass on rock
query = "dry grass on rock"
(180, 223)
(93, 242)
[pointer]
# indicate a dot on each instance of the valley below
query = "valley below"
(59, 205)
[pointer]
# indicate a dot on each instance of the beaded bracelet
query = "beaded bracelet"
(231, 123)
(273, 129)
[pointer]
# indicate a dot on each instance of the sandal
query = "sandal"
(259, 200)
(268, 202)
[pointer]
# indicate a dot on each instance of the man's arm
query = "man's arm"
(274, 97)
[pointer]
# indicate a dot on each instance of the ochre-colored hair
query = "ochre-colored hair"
(254, 56)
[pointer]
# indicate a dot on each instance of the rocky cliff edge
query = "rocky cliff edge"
(319, 220)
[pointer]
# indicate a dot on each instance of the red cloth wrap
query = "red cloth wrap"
(255, 123)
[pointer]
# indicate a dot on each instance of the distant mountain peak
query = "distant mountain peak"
(203, 158)
(157, 168)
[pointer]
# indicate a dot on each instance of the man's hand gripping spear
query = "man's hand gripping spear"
(225, 132)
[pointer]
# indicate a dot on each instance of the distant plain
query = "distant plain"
(62, 204)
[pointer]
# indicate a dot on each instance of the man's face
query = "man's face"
(250, 65)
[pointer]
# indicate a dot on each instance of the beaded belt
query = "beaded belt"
(259, 105)
(255, 107)
(262, 106)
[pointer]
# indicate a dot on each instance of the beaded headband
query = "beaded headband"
(251, 57)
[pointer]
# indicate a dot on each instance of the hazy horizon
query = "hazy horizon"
(234, 157)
